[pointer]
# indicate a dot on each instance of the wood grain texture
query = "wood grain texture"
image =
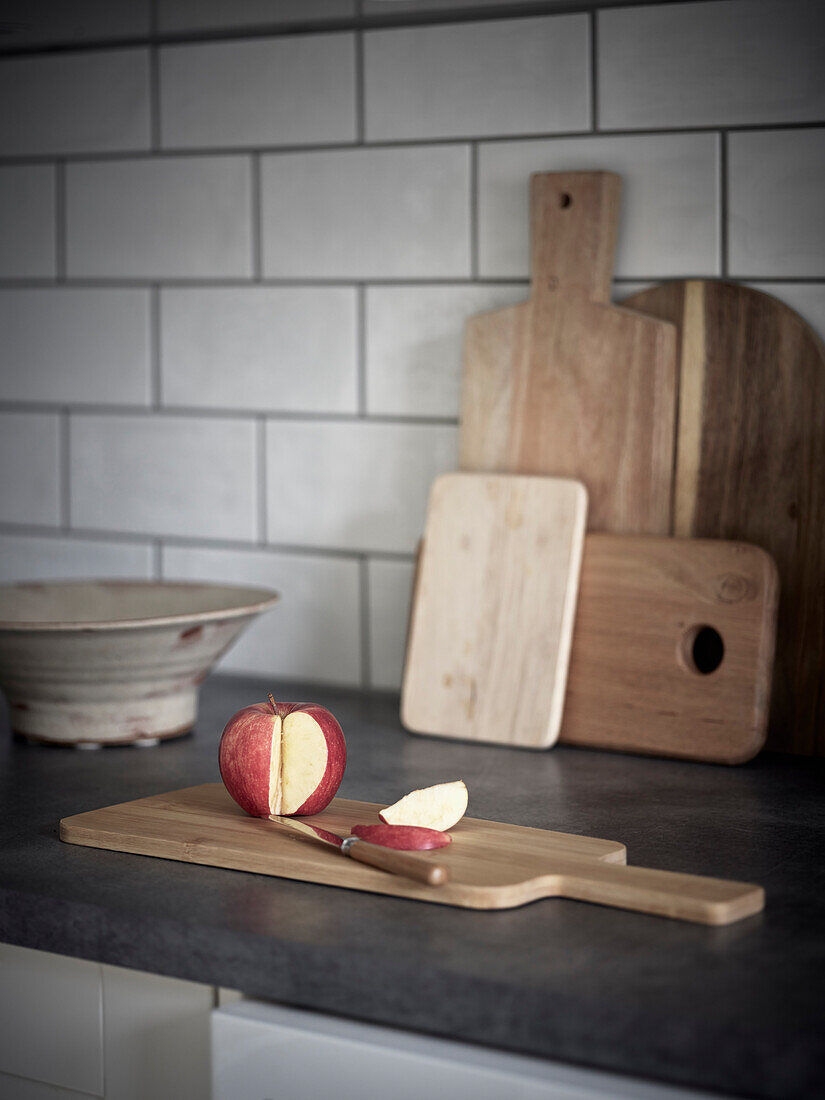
(633, 682)
(567, 384)
(495, 603)
(492, 865)
(751, 465)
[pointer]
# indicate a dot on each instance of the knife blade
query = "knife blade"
(385, 859)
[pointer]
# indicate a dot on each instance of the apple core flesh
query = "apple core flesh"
(439, 807)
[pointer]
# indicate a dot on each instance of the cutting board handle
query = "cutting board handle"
(574, 219)
(663, 893)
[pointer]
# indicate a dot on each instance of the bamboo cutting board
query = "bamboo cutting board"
(568, 384)
(750, 464)
(673, 648)
(494, 607)
(491, 865)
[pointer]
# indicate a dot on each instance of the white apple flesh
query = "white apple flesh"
(439, 807)
(282, 758)
(407, 838)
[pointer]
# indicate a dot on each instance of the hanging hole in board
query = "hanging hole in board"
(565, 200)
(702, 649)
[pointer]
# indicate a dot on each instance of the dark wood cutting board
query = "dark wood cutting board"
(566, 383)
(750, 464)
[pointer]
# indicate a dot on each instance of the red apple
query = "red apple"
(439, 807)
(409, 838)
(282, 758)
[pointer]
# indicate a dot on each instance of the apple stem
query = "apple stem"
(271, 698)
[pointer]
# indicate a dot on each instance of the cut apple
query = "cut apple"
(282, 758)
(409, 838)
(439, 807)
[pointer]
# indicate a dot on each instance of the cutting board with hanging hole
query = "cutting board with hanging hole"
(750, 464)
(567, 384)
(491, 865)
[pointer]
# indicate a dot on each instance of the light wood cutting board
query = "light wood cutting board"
(493, 611)
(750, 464)
(491, 865)
(653, 613)
(568, 384)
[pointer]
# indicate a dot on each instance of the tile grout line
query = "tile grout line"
(364, 610)
(401, 143)
(361, 349)
(244, 415)
(134, 538)
(256, 216)
(723, 203)
(260, 477)
(594, 71)
(64, 440)
(155, 367)
(475, 228)
(154, 100)
(60, 226)
(359, 105)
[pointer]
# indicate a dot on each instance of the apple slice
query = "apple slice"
(439, 807)
(282, 758)
(409, 838)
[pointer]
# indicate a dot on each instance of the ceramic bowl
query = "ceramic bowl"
(109, 662)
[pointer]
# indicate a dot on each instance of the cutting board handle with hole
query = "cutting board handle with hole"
(661, 893)
(574, 218)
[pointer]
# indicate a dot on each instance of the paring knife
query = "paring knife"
(386, 859)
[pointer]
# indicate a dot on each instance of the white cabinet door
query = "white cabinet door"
(156, 1036)
(265, 1052)
(51, 1019)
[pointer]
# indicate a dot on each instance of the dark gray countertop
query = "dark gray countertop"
(739, 1010)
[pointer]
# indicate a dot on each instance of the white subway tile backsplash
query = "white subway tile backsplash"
(72, 344)
(295, 90)
(201, 15)
(260, 348)
(75, 103)
(355, 485)
(164, 475)
(36, 558)
(367, 213)
(414, 340)
(514, 76)
(168, 217)
(775, 196)
(808, 299)
(390, 593)
(30, 461)
(27, 229)
(312, 633)
(720, 63)
(670, 200)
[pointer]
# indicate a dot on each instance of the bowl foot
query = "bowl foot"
(142, 722)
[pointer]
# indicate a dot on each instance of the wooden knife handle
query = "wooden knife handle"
(664, 893)
(397, 863)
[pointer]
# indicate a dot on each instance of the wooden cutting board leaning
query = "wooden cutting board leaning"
(673, 648)
(568, 384)
(492, 865)
(495, 600)
(750, 464)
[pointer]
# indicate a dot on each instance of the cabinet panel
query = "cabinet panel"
(156, 1036)
(50, 1019)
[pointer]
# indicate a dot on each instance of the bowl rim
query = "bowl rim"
(266, 598)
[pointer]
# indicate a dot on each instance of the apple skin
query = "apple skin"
(407, 838)
(245, 751)
(243, 757)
